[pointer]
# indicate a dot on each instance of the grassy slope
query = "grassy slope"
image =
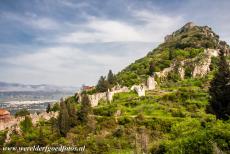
(171, 119)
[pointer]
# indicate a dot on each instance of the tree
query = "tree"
(56, 107)
(48, 109)
(63, 119)
(41, 137)
(72, 113)
(111, 78)
(151, 69)
(22, 112)
(85, 109)
(220, 90)
(26, 124)
(102, 85)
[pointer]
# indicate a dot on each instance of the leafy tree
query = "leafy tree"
(102, 85)
(26, 124)
(22, 112)
(63, 119)
(111, 78)
(220, 90)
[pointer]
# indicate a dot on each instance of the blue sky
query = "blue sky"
(74, 42)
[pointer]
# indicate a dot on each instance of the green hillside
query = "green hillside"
(187, 42)
(171, 119)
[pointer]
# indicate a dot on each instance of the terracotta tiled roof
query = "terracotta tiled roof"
(4, 112)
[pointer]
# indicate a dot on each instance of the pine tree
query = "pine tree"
(102, 85)
(63, 119)
(111, 78)
(220, 90)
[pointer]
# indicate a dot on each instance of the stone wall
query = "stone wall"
(107, 96)
(14, 123)
(151, 83)
(139, 89)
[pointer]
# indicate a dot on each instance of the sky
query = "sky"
(74, 42)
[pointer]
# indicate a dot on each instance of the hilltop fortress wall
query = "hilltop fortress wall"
(14, 123)
(108, 96)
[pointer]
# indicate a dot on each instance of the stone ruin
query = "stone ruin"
(108, 96)
(140, 89)
(13, 125)
(151, 83)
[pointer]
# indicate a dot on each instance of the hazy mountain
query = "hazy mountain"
(9, 87)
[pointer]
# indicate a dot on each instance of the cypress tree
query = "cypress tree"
(151, 69)
(63, 119)
(85, 109)
(220, 90)
(26, 124)
(48, 108)
(111, 78)
(72, 113)
(41, 137)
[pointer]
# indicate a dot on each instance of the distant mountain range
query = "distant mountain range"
(14, 87)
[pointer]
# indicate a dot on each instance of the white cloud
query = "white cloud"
(66, 65)
(32, 20)
(151, 27)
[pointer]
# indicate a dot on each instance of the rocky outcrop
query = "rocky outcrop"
(199, 65)
(186, 27)
(164, 73)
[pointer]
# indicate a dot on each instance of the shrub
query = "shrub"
(22, 112)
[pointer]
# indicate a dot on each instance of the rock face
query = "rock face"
(202, 67)
(186, 27)
(164, 73)
(199, 65)
(151, 83)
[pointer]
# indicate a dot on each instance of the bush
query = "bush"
(124, 120)
(22, 112)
